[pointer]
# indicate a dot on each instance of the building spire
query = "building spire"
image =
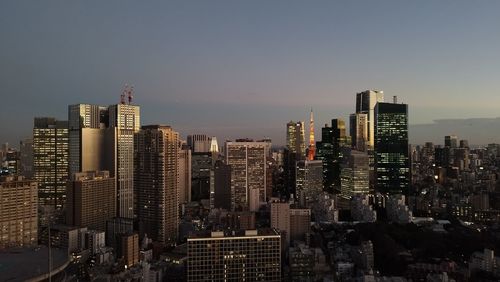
(311, 150)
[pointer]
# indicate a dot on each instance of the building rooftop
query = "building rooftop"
(235, 233)
(21, 264)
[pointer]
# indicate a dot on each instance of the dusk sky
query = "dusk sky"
(244, 68)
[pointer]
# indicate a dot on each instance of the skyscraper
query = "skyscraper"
(199, 143)
(248, 173)
(156, 182)
(26, 158)
(451, 141)
(184, 174)
(392, 163)
(365, 104)
(91, 200)
(329, 151)
(355, 174)
(201, 164)
(50, 160)
(309, 181)
(102, 138)
(358, 124)
(124, 119)
(295, 140)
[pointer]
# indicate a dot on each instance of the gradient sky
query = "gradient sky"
(245, 68)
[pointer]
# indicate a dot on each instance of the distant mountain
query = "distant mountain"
(478, 131)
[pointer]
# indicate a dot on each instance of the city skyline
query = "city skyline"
(206, 69)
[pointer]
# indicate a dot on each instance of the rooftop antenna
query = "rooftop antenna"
(130, 93)
(122, 96)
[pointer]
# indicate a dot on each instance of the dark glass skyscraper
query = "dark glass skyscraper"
(329, 151)
(392, 163)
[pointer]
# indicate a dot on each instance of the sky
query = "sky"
(244, 68)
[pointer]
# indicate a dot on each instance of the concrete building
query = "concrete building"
(251, 255)
(222, 185)
(26, 158)
(18, 212)
(128, 249)
(361, 209)
(102, 138)
(280, 219)
(358, 124)
(156, 182)
(116, 227)
(199, 143)
(91, 200)
(248, 173)
(184, 174)
(365, 104)
(50, 160)
(300, 224)
(201, 165)
(355, 175)
(309, 181)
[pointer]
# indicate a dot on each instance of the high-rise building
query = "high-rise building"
(355, 174)
(280, 219)
(358, 124)
(295, 140)
(251, 255)
(330, 152)
(128, 249)
(451, 141)
(199, 143)
(392, 163)
(50, 160)
(102, 138)
(18, 212)
(295, 150)
(26, 158)
(91, 200)
(124, 119)
(184, 174)
(222, 185)
(201, 164)
(309, 181)
(248, 173)
(300, 223)
(365, 104)
(156, 182)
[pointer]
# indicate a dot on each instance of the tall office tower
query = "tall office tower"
(26, 158)
(358, 124)
(329, 151)
(116, 227)
(309, 182)
(295, 140)
(295, 150)
(355, 175)
(365, 104)
(251, 255)
(18, 212)
(102, 138)
(280, 219)
(248, 173)
(199, 143)
(451, 141)
(125, 120)
(392, 163)
(50, 160)
(201, 164)
(464, 143)
(311, 150)
(91, 200)
(222, 185)
(184, 174)
(10, 163)
(87, 138)
(156, 182)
